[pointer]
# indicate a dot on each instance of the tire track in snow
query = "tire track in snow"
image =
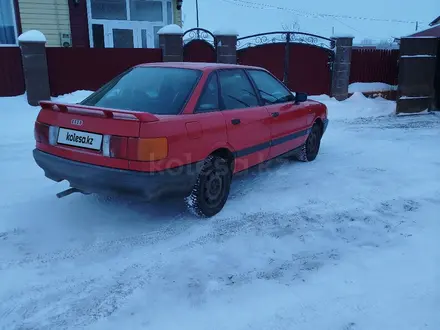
(85, 297)
(111, 247)
(302, 228)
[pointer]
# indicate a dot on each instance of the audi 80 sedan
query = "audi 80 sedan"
(176, 129)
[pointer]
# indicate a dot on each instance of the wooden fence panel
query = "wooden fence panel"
(11, 72)
(374, 65)
(72, 69)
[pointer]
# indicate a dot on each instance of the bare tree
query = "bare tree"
(291, 26)
(367, 41)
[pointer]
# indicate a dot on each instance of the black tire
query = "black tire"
(211, 190)
(310, 149)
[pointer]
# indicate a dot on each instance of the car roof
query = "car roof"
(198, 65)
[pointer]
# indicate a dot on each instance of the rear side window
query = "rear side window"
(208, 101)
(236, 90)
(158, 90)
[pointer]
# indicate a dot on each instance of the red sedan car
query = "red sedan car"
(182, 129)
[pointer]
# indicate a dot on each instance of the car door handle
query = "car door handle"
(275, 114)
(235, 121)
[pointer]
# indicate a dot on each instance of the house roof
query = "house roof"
(435, 22)
(433, 31)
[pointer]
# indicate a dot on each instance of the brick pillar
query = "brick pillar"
(226, 46)
(171, 42)
(36, 76)
(341, 67)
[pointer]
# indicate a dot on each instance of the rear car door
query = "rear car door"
(288, 119)
(247, 123)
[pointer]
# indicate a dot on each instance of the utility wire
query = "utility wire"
(244, 5)
(257, 5)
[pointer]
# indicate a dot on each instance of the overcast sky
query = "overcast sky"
(314, 16)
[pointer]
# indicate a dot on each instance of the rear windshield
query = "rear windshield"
(158, 90)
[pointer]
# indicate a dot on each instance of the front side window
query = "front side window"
(236, 90)
(7, 23)
(270, 89)
(158, 90)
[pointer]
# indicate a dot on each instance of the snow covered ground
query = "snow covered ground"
(348, 242)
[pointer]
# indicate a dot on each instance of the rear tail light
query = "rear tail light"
(139, 149)
(148, 149)
(41, 132)
(114, 146)
(45, 133)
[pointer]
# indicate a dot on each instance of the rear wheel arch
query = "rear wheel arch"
(226, 154)
(211, 190)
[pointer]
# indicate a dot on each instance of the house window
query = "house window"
(127, 23)
(109, 9)
(146, 10)
(8, 29)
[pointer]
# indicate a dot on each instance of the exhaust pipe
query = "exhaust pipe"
(68, 192)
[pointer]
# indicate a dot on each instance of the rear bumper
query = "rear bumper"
(111, 181)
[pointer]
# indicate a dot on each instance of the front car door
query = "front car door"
(289, 125)
(247, 123)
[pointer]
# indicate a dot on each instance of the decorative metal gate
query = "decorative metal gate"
(199, 46)
(303, 61)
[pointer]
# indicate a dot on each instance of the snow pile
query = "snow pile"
(370, 87)
(356, 106)
(225, 32)
(73, 98)
(349, 241)
(171, 29)
(32, 36)
(21, 116)
(417, 56)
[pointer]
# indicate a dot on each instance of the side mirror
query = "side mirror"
(300, 97)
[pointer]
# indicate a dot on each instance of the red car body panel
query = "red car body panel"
(253, 131)
(291, 119)
(191, 137)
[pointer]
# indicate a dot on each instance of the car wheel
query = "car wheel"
(310, 148)
(211, 190)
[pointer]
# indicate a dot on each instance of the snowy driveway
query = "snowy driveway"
(348, 242)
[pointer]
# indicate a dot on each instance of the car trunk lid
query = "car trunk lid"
(94, 119)
(99, 136)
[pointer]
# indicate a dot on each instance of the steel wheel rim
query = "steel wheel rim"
(214, 188)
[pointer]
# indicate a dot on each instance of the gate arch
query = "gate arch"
(303, 61)
(199, 46)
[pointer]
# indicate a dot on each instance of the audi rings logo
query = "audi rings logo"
(76, 122)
